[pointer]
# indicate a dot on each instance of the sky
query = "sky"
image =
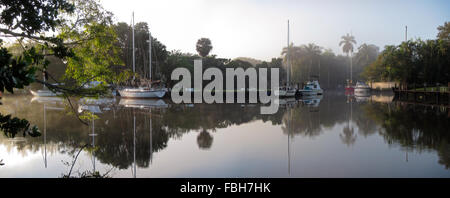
(258, 28)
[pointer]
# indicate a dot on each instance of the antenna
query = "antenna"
(406, 33)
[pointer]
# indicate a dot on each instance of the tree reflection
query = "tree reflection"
(204, 140)
(415, 128)
(348, 136)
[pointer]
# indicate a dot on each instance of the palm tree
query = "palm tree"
(204, 47)
(366, 52)
(204, 140)
(347, 46)
(312, 51)
(294, 53)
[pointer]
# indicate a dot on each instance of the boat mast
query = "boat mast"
(150, 54)
(133, 46)
(45, 136)
(134, 145)
(288, 57)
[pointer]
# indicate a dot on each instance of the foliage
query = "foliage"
(91, 26)
(203, 46)
(15, 73)
(444, 32)
(141, 36)
(32, 16)
(83, 28)
(11, 126)
(415, 62)
(347, 43)
(412, 62)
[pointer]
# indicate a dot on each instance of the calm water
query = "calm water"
(330, 136)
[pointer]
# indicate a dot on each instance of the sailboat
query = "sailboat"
(287, 91)
(143, 92)
(45, 92)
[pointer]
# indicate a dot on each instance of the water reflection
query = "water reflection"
(128, 134)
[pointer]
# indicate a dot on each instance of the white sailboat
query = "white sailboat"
(287, 91)
(143, 92)
(45, 92)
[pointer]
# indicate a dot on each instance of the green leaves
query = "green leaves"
(32, 16)
(11, 126)
(16, 73)
(411, 62)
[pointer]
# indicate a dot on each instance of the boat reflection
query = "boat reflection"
(96, 105)
(143, 103)
(361, 99)
(47, 100)
(312, 101)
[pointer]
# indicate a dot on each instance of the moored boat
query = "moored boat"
(288, 90)
(140, 92)
(311, 88)
(362, 89)
(143, 92)
(45, 93)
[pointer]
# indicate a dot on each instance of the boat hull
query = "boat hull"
(311, 92)
(142, 93)
(44, 93)
(284, 93)
(362, 91)
(142, 103)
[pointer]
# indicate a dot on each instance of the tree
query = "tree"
(25, 19)
(141, 36)
(204, 140)
(312, 51)
(91, 26)
(444, 32)
(367, 54)
(412, 62)
(347, 46)
(82, 28)
(204, 47)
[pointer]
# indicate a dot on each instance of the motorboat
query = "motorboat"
(362, 89)
(312, 100)
(311, 88)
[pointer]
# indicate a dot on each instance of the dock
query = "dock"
(427, 96)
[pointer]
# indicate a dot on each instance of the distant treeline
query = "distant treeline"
(410, 62)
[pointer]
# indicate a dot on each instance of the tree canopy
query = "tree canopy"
(204, 46)
(416, 62)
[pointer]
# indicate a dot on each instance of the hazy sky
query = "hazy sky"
(258, 28)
